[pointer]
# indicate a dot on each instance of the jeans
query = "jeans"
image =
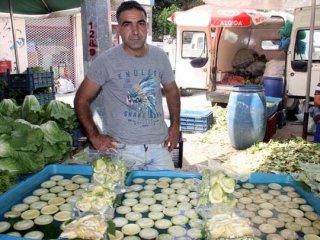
(147, 156)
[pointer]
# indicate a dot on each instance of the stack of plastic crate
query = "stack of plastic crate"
(196, 120)
(39, 84)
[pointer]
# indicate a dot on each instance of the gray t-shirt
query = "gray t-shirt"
(131, 92)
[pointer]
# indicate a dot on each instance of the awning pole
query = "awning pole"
(14, 38)
(309, 69)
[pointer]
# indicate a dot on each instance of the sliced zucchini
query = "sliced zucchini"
(48, 184)
(62, 216)
(47, 196)
(23, 225)
(43, 220)
(40, 191)
(12, 214)
(4, 226)
(130, 229)
(34, 235)
(38, 205)
(50, 209)
(30, 214)
(57, 201)
(30, 199)
(148, 233)
(56, 178)
(20, 207)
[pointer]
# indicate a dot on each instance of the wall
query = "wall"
(6, 42)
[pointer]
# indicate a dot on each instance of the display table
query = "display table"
(23, 189)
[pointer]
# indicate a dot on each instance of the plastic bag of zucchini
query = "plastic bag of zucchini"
(217, 206)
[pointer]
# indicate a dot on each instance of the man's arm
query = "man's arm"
(87, 91)
(316, 100)
(173, 101)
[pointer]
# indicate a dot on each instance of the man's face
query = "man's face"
(133, 30)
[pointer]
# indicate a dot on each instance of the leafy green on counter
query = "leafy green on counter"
(31, 109)
(27, 148)
(7, 180)
(62, 113)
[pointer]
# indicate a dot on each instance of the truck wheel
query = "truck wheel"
(219, 104)
(185, 92)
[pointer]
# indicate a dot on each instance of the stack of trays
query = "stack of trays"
(196, 120)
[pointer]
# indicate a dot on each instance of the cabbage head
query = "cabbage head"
(62, 113)
(10, 108)
(31, 110)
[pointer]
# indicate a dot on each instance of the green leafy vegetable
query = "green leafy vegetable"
(9, 108)
(57, 143)
(7, 180)
(62, 113)
(31, 109)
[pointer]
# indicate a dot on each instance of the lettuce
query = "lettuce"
(62, 113)
(31, 109)
(9, 108)
(57, 143)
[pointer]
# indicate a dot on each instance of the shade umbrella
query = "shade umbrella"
(40, 8)
(37, 7)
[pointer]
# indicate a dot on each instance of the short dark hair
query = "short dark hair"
(128, 5)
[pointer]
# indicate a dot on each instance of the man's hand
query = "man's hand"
(173, 138)
(103, 143)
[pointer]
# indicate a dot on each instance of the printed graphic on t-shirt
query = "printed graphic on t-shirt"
(141, 100)
(141, 97)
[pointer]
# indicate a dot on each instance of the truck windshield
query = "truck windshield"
(302, 45)
(194, 45)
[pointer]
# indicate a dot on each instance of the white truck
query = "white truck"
(208, 48)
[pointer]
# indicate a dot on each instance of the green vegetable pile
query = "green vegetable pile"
(283, 156)
(7, 180)
(32, 136)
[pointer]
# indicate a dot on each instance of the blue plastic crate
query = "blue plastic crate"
(196, 120)
(30, 81)
(44, 98)
(317, 134)
(272, 105)
(194, 128)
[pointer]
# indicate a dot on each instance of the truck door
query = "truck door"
(297, 68)
(298, 54)
(192, 60)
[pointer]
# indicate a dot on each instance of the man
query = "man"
(316, 110)
(130, 76)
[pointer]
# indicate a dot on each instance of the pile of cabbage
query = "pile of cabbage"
(32, 136)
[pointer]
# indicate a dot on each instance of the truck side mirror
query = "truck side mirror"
(198, 62)
(299, 66)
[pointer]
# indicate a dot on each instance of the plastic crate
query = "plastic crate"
(272, 105)
(44, 98)
(317, 133)
(196, 120)
(30, 81)
(271, 128)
